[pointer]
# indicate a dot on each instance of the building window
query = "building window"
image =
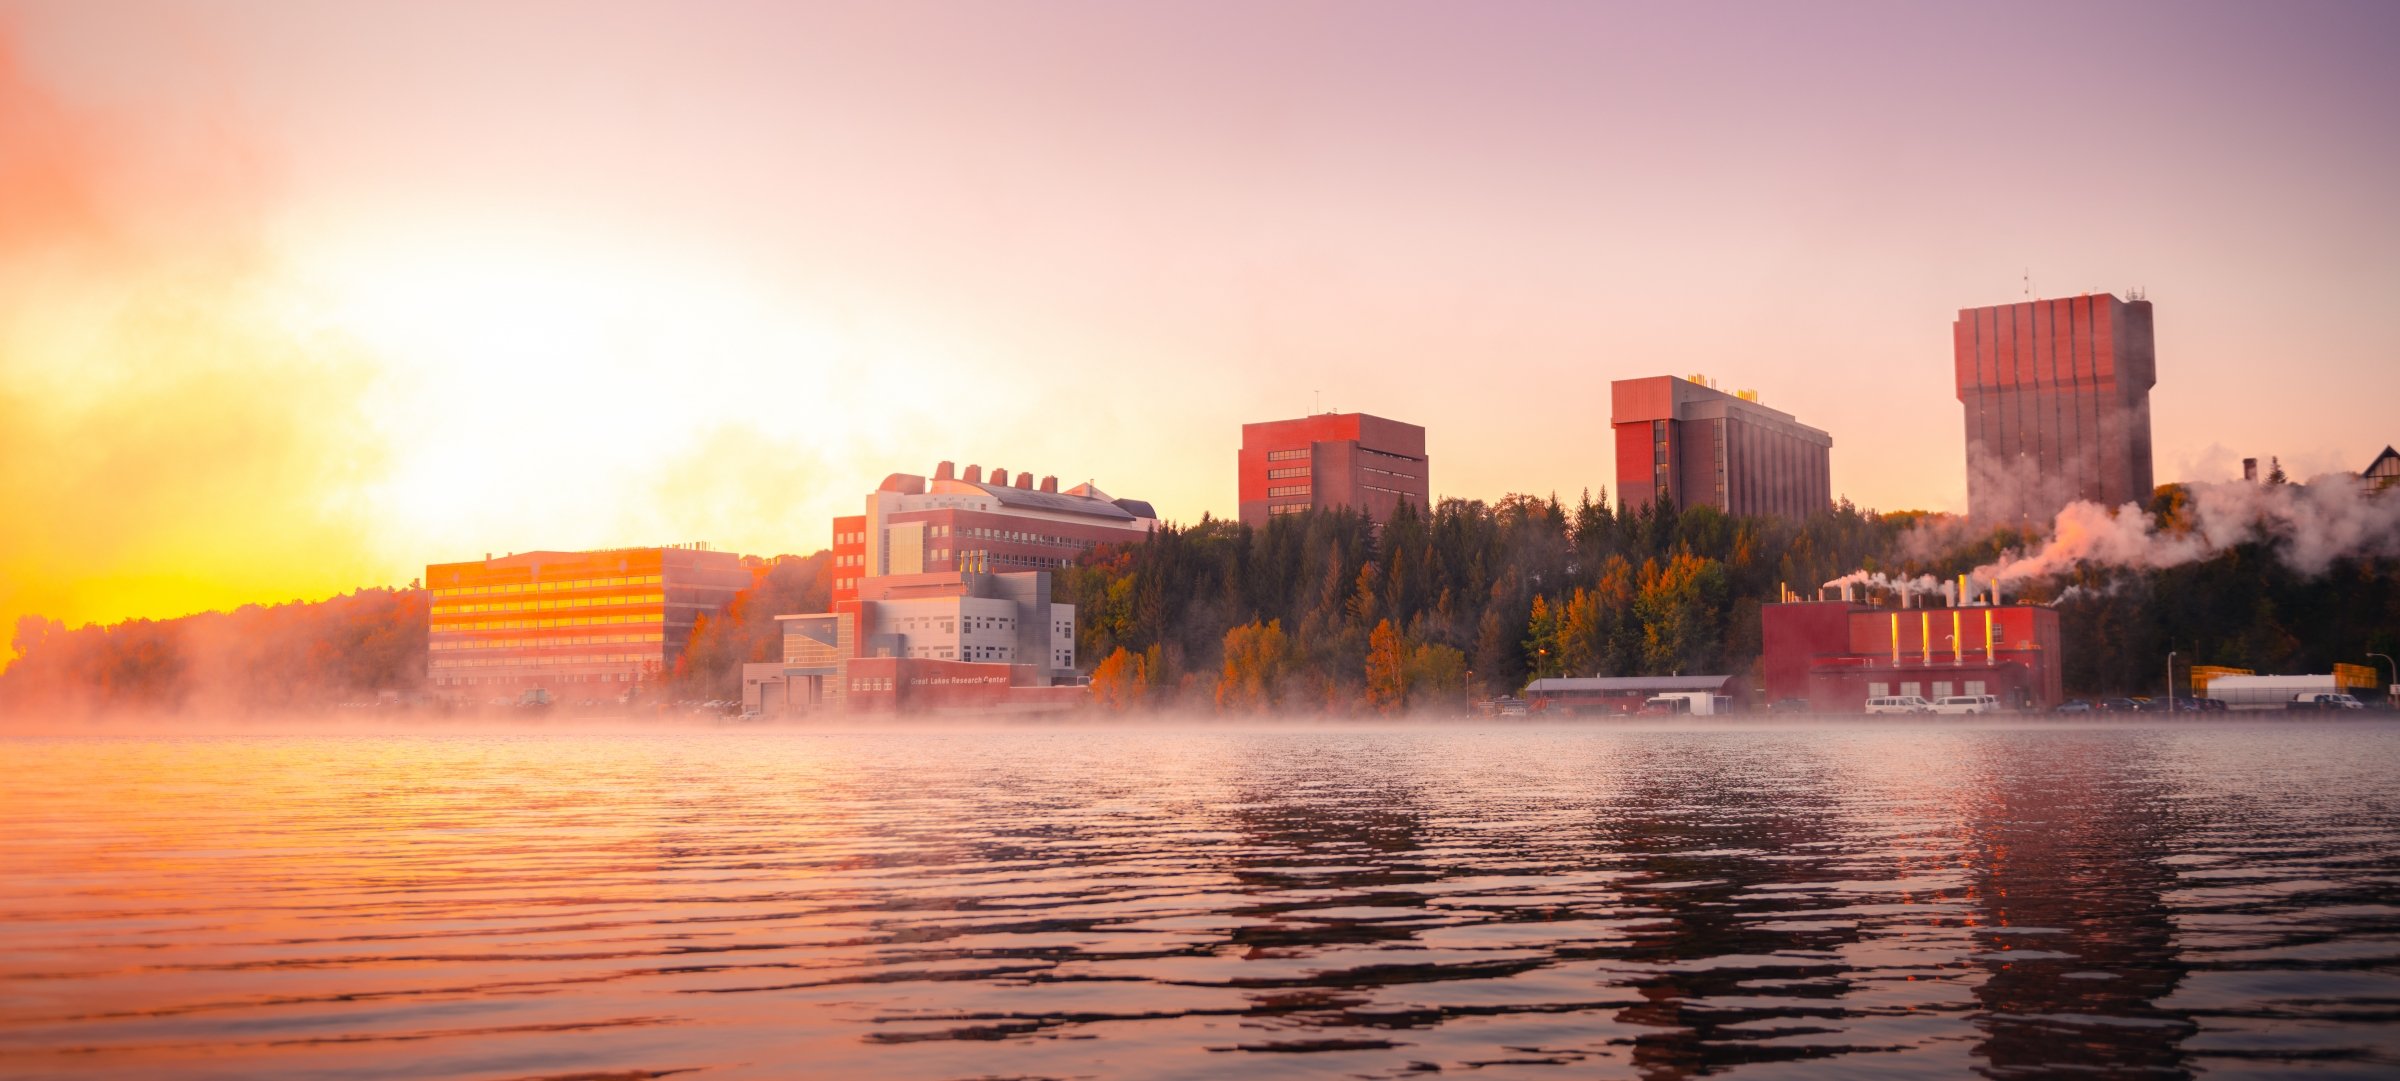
(1288, 471)
(1288, 489)
(1288, 455)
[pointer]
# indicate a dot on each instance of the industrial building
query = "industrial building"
(2057, 400)
(1353, 460)
(572, 623)
(1838, 654)
(1703, 447)
(941, 597)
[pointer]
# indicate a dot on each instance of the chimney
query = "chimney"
(974, 474)
(1025, 481)
(2250, 470)
(999, 477)
(1050, 484)
(944, 471)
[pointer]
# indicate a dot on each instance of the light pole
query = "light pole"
(2170, 681)
(2387, 691)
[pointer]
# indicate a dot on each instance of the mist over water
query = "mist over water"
(1920, 899)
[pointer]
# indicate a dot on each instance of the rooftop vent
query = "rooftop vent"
(1050, 484)
(974, 474)
(944, 471)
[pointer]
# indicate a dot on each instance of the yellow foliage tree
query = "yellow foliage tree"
(1120, 682)
(1256, 658)
(1387, 669)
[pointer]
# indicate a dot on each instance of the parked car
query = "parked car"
(2117, 705)
(1899, 703)
(2073, 705)
(2326, 701)
(1967, 703)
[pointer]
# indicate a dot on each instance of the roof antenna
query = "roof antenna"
(1317, 402)
(2029, 283)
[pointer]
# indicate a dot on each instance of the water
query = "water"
(1901, 900)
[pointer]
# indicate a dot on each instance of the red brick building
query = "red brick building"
(1836, 654)
(1704, 447)
(2057, 399)
(1332, 460)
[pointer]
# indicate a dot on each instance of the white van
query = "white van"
(1967, 703)
(1899, 703)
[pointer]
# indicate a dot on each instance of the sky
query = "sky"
(300, 297)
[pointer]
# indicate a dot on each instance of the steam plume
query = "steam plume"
(2308, 526)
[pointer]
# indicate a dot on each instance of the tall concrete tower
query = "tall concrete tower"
(2057, 397)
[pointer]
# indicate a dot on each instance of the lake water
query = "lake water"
(1850, 900)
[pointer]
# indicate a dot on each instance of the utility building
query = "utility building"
(2057, 398)
(1703, 447)
(1350, 460)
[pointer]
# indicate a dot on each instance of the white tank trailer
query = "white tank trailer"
(2269, 692)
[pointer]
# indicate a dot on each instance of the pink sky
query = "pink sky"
(622, 274)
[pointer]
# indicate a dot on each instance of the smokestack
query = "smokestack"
(999, 477)
(1964, 597)
(2250, 470)
(1995, 592)
(1050, 484)
(1025, 481)
(974, 474)
(944, 471)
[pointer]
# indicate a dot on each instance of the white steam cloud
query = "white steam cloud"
(2309, 527)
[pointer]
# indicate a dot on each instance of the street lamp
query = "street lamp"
(2387, 691)
(2170, 682)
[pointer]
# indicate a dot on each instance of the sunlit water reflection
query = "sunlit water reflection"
(1160, 902)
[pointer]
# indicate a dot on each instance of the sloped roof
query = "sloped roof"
(1627, 684)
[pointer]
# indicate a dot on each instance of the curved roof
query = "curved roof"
(1056, 501)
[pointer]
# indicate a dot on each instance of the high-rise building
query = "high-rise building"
(1704, 447)
(2057, 397)
(1332, 460)
(571, 623)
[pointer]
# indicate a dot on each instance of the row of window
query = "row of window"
(548, 587)
(1288, 455)
(1287, 508)
(1287, 489)
(531, 624)
(1289, 471)
(1388, 473)
(550, 605)
(1389, 454)
(529, 643)
(543, 661)
(1941, 689)
(870, 683)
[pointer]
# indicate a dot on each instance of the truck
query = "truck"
(2270, 692)
(1693, 703)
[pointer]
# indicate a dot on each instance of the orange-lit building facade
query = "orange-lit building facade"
(2057, 400)
(1836, 654)
(573, 623)
(1703, 447)
(1353, 460)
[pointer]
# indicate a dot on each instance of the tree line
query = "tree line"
(1323, 612)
